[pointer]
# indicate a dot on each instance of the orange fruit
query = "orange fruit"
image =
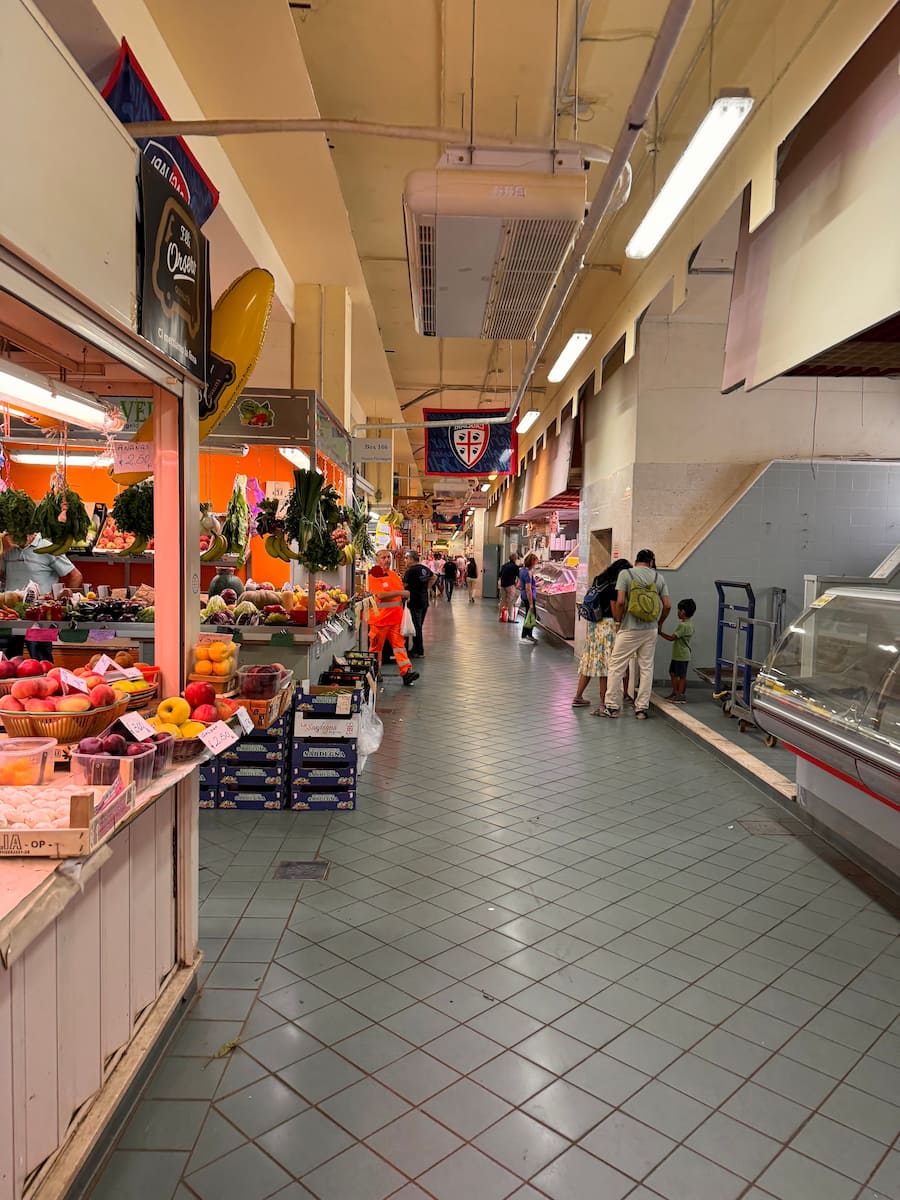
(201, 653)
(203, 668)
(218, 651)
(222, 668)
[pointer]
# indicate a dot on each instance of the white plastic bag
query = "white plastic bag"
(407, 625)
(371, 731)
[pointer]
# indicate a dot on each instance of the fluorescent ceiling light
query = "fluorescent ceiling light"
(485, 487)
(492, 477)
(234, 451)
(701, 154)
(527, 421)
(49, 398)
(298, 457)
(34, 458)
(570, 355)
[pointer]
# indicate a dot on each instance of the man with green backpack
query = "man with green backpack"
(640, 609)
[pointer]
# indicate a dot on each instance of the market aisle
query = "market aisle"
(547, 951)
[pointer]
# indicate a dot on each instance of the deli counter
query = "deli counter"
(830, 691)
(556, 597)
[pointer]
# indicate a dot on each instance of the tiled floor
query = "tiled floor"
(548, 962)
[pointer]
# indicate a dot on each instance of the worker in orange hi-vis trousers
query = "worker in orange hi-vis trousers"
(384, 623)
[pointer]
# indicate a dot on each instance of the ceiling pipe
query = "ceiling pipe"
(563, 97)
(409, 133)
(636, 118)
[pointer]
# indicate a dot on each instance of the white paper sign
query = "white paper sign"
(137, 726)
(245, 720)
(342, 708)
(279, 490)
(218, 737)
(133, 673)
(67, 679)
(132, 456)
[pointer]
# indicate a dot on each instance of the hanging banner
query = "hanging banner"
(475, 448)
(173, 314)
(129, 94)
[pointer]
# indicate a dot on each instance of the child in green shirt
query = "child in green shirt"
(681, 650)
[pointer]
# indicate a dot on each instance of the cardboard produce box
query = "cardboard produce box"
(94, 814)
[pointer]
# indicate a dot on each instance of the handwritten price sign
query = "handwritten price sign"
(69, 680)
(218, 737)
(137, 726)
(132, 456)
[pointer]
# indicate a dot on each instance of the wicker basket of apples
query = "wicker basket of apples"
(186, 716)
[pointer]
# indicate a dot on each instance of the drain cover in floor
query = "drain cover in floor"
(767, 828)
(301, 870)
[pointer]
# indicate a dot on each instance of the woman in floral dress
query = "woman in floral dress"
(600, 637)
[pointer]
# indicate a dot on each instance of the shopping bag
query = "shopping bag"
(407, 626)
(530, 619)
(503, 612)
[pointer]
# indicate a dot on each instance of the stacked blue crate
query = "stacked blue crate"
(254, 772)
(324, 749)
(209, 783)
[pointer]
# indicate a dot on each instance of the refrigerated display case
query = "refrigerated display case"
(556, 597)
(830, 691)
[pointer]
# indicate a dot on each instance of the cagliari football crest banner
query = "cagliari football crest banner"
(474, 448)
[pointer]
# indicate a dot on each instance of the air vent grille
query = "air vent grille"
(531, 253)
(426, 277)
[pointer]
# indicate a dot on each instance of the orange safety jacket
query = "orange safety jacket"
(389, 612)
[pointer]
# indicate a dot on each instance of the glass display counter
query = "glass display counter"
(556, 597)
(830, 691)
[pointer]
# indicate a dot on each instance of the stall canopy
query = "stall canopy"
(547, 484)
(832, 245)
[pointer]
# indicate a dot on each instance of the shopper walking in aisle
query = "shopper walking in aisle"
(437, 584)
(596, 610)
(449, 577)
(417, 581)
(528, 589)
(460, 570)
(384, 622)
(508, 586)
(471, 577)
(641, 607)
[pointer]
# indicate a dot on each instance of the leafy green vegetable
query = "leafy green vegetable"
(62, 519)
(132, 510)
(17, 515)
(236, 527)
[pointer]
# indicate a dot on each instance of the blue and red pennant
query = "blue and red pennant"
(130, 95)
(474, 448)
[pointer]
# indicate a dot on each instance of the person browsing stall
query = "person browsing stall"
(641, 606)
(384, 623)
(23, 565)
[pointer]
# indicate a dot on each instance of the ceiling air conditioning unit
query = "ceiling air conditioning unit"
(485, 246)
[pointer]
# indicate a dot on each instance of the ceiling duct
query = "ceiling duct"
(486, 245)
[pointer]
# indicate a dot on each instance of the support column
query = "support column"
(323, 324)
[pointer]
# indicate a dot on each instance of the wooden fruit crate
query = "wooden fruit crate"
(94, 813)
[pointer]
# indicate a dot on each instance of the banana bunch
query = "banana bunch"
(138, 546)
(63, 546)
(218, 546)
(277, 547)
(394, 519)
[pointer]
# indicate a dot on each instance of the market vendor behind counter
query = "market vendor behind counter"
(22, 565)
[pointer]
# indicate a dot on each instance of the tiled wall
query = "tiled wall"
(842, 521)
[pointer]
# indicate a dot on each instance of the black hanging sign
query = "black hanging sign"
(173, 284)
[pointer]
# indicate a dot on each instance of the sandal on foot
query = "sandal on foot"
(578, 702)
(612, 713)
(640, 715)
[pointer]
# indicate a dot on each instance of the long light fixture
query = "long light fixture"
(34, 458)
(527, 421)
(701, 154)
(571, 352)
(485, 487)
(233, 451)
(50, 398)
(296, 456)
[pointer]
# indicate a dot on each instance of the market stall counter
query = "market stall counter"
(556, 597)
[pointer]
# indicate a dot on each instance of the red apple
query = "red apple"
(200, 693)
(206, 713)
(26, 689)
(17, 661)
(10, 704)
(7, 670)
(102, 695)
(28, 668)
(47, 667)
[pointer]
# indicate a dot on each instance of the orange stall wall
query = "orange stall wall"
(216, 481)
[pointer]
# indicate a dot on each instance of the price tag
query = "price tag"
(133, 456)
(342, 708)
(67, 679)
(132, 673)
(218, 737)
(341, 662)
(103, 664)
(101, 635)
(245, 720)
(137, 726)
(207, 639)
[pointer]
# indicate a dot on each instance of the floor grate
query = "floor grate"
(772, 828)
(301, 870)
